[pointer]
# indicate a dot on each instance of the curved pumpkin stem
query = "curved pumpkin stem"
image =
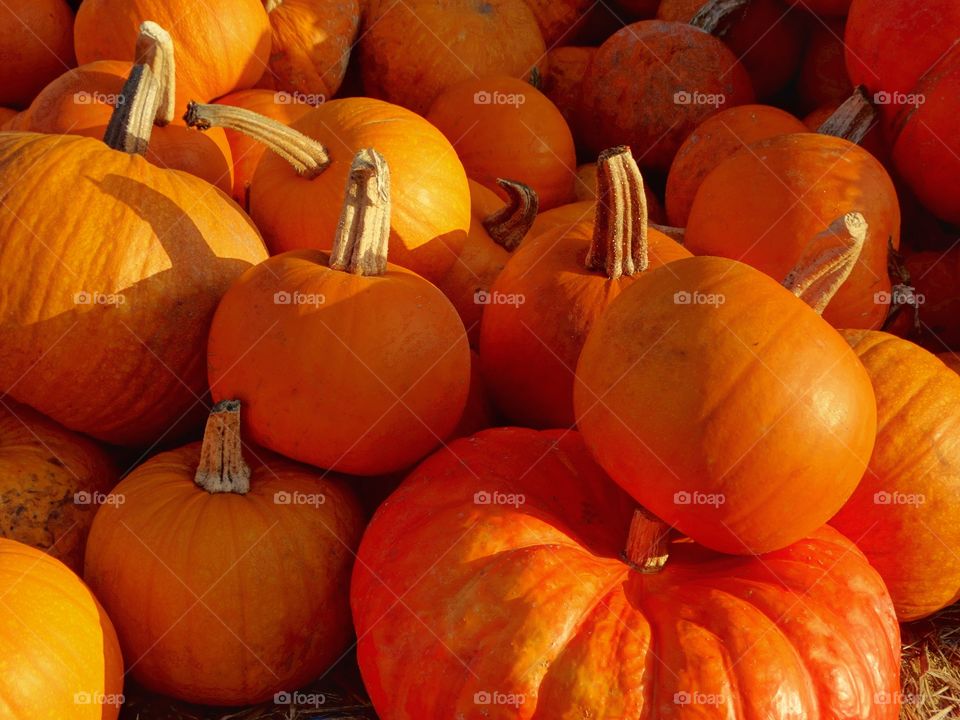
(307, 156)
(827, 261)
(717, 17)
(619, 244)
(155, 49)
(363, 233)
(222, 468)
(510, 224)
(853, 119)
(647, 542)
(132, 120)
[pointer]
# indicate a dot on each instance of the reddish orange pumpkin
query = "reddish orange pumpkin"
(903, 513)
(655, 115)
(503, 127)
(563, 81)
(225, 572)
(824, 7)
(934, 322)
(823, 76)
(36, 45)
(531, 610)
(555, 287)
(343, 360)
(6, 118)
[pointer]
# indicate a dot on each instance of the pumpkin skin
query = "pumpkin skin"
(754, 399)
(36, 45)
(6, 117)
(534, 600)
(563, 81)
(823, 76)
(902, 515)
(222, 45)
(558, 19)
(156, 286)
(763, 204)
(618, 110)
(479, 413)
(824, 7)
(175, 566)
(527, 141)
(411, 52)
(50, 482)
(66, 623)
(714, 140)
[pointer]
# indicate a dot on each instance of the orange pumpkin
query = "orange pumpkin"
(222, 45)
(726, 405)
(131, 268)
(364, 397)
(715, 139)
(295, 196)
(553, 289)
(503, 127)
(479, 413)
(934, 322)
(36, 45)
(225, 572)
(823, 76)
(563, 81)
(854, 119)
(6, 117)
(559, 19)
(902, 515)
(951, 360)
(60, 651)
(764, 203)
(311, 45)
(412, 51)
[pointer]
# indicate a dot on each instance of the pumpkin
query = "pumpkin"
(51, 481)
(903, 513)
(344, 361)
(764, 203)
(311, 45)
(535, 609)
(563, 81)
(931, 276)
(559, 19)
(656, 115)
(296, 192)
(6, 117)
(246, 152)
(61, 655)
(410, 52)
(855, 119)
(724, 404)
(951, 360)
(586, 189)
(714, 140)
(222, 45)
(36, 44)
(503, 127)
(225, 571)
(553, 289)
(479, 413)
(823, 76)
(765, 35)
(495, 231)
(105, 333)
(82, 100)
(823, 7)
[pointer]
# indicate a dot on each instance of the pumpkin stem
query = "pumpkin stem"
(155, 49)
(853, 119)
(307, 156)
(271, 5)
(677, 234)
(222, 468)
(508, 225)
(363, 233)
(717, 17)
(827, 261)
(619, 245)
(132, 120)
(647, 542)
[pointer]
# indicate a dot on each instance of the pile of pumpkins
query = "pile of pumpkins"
(314, 336)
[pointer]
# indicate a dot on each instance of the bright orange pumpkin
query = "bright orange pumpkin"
(36, 45)
(225, 571)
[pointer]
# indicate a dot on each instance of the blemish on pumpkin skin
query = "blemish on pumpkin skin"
(485, 8)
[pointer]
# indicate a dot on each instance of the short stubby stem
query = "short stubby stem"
(222, 468)
(647, 547)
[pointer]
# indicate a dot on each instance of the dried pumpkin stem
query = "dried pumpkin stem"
(307, 156)
(827, 261)
(853, 119)
(132, 120)
(363, 233)
(155, 49)
(508, 225)
(619, 244)
(222, 468)
(717, 17)
(647, 542)
(271, 5)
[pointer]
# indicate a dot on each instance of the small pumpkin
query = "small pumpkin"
(503, 127)
(61, 655)
(410, 52)
(823, 78)
(563, 81)
(555, 287)
(903, 513)
(343, 360)
(549, 600)
(726, 405)
(224, 571)
(36, 44)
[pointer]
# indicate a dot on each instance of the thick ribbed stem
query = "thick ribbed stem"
(222, 468)
(132, 120)
(363, 233)
(510, 224)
